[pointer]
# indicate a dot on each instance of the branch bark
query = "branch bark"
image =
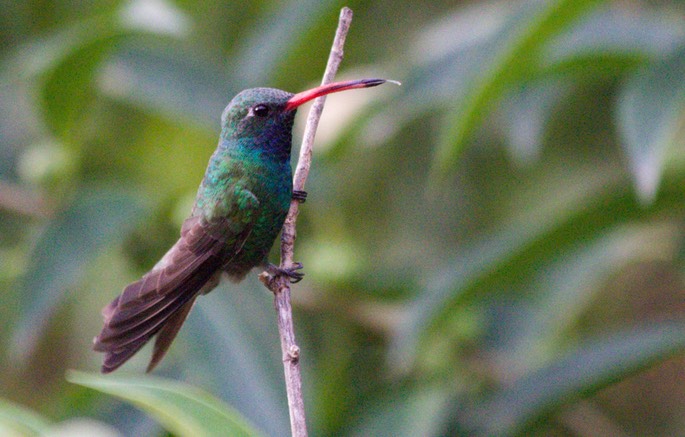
(280, 285)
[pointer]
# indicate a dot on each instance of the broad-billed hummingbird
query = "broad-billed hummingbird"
(239, 209)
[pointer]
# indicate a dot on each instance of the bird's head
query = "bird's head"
(267, 113)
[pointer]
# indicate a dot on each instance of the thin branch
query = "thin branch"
(280, 285)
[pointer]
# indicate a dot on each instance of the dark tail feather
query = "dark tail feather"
(120, 343)
(139, 314)
(130, 325)
(159, 302)
(167, 334)
(114, 359)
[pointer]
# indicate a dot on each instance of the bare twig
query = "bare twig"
(280, 285)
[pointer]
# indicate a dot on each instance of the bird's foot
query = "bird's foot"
(291, 273)
(300, 196)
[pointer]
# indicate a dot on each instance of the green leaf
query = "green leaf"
(526, 113)
(143, 76)
(232, 343)
(595, 365)
(67, 85)
(95, 219)
(182, 409)
(650, 116)
(612, 38)
(494, 251)
(16, 420)
(447, 66)
(607, 41)
(67, 62)
(520, 40)
(565, 288)
(404, 412)
(262, 53)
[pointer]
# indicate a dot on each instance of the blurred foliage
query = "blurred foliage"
(494, 248)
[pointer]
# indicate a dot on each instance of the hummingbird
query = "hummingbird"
(239, 210)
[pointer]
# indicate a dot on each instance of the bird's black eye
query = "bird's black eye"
(260, 110)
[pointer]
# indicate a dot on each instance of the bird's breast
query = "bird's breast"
(273, 188)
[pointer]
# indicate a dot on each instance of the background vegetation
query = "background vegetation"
(496, 247)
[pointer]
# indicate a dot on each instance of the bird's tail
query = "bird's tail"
(120, 342)
(160, 301)
(156, 305)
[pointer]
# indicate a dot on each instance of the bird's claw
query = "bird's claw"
(291, 273)
(300, 196)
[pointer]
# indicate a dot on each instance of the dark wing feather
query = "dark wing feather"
(160, 301)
